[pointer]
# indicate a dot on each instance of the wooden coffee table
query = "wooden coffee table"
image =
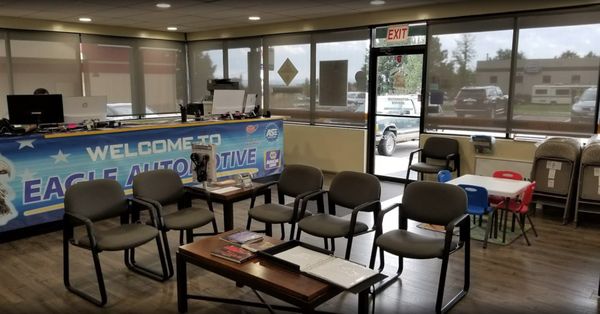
(229, 198)
(259, 273)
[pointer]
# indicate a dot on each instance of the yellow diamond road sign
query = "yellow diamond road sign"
(287, 71)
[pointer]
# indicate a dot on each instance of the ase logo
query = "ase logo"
(272, 132)
(251, 128)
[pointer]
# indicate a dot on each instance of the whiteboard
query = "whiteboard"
(485, 166)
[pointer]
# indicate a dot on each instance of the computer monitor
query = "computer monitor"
(35, 109)
(228, 101)
(79, 109)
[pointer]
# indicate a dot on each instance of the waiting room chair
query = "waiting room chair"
(520, 207)
(296, 181)
(554, 169)
(444, 176)
(163, 188)
(438, 153)
(86, 203)
(479, 205)
(448, 209)
(587, 197)
(358, 191)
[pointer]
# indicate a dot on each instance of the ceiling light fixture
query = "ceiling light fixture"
(163, 5)
(254, 18)
(172, 28)
(377, 2)
(85, 19)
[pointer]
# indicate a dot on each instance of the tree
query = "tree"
(568, 55)
(462, 56)
(591, 54)
(506, 54)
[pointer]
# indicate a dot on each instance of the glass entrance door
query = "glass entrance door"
(398, 90)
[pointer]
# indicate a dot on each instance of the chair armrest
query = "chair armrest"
(261, 189)
(151, 206)
(89, 226)
(379, 222)
(304, 200)
(449, 158)
(359, 208)
(298, 201)
(462, 221)
(410, 157)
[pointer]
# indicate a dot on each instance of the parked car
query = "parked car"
(390, 130)
(485, 101)
(584, 108)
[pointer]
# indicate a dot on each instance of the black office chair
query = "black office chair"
(162, 188)
(447, 208)
(296, 181)
(438, 153)
(92, 201)
(355, 190)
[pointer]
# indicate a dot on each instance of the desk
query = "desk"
(260, 274)
(227, 200)
(42, 167)
(501, 187)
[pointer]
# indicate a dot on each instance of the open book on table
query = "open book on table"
(332, 269)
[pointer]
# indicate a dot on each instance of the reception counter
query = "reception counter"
(36, 169)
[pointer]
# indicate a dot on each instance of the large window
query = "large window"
(4, 76)
(558, 59)
(468, 76)
(206, 62)
(341, 77)
(289, 83)
(47, 60)
(243, 63)
(107, 71)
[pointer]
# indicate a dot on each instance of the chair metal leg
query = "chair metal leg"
(348, 247)
(129, 257)
(292, 230)
(441, 285)
(532, 226)
(522, 225)
(248, 222)
(333, 244)
(282, 232)
(298, 234)
(66, 278)
(167, 249)
(326, 243)
(181, 237)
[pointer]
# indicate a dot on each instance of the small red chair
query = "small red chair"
(506, 174)
(520, 209)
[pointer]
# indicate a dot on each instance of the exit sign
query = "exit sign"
(397, 33)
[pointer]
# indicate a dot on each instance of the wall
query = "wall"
(328, 148)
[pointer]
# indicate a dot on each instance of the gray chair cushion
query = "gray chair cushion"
(273, 213)
(411, 245)
(121, 237)
(427, 168)
(328, 226)
(187, 218)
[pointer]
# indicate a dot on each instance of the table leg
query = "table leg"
(182, 295)
(228, 215)
(363, 302)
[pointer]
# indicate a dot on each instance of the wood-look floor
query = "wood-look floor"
(558, 273)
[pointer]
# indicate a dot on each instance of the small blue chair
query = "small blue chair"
(444, 176)
(478, 205)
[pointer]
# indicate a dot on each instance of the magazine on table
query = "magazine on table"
(232, 253)
(258, 245)
(335, 270)
(243, 237)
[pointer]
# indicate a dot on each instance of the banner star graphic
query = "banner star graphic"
(60, 156)
(27, 175)
(25, 143)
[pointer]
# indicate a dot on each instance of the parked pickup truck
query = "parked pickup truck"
(391, 129)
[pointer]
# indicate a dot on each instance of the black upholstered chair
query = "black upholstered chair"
(296, 181)
(89, 202)
(438, 153)
(433, 203)
(354, 190)
(162, 188)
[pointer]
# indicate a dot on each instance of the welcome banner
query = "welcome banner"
(36, 171)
